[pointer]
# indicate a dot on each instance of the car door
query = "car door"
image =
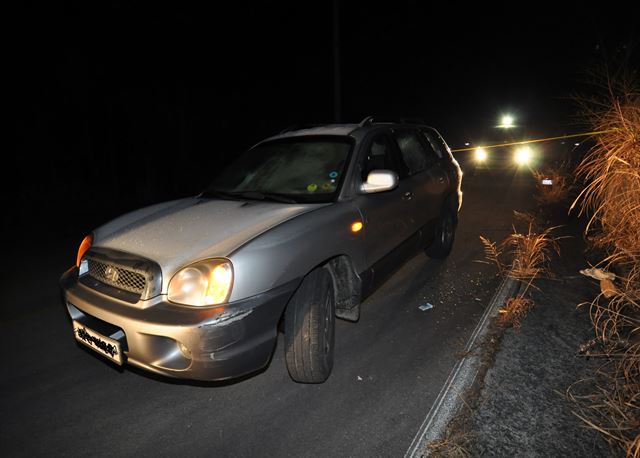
(386, 214)
(426, 179)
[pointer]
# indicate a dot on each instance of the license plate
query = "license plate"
(97, 342)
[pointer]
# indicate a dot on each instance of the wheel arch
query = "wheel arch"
(347, 286)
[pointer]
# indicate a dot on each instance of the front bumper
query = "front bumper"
(213, 343)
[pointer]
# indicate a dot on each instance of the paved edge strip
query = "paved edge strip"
(460, 378)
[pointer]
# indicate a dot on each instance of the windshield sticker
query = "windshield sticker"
(333, 174)
(326, 186)
(312, 187)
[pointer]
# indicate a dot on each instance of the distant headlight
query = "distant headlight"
(206, 282)
(480, 154)
(523, 155)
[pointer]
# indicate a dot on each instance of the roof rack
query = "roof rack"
(365, 122)
(372, 119)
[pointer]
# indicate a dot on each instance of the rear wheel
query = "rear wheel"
(310, 329)
(444, 235)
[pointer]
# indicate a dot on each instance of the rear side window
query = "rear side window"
(413, 153)
(436, 142)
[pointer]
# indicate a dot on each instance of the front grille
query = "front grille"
(117, 277)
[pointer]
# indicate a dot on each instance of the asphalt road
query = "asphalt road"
(59, 399)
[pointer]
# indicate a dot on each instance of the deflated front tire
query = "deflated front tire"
(310, 329)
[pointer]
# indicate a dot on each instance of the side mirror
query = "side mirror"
(379, 181)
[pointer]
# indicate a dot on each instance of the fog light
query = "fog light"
(184, 350)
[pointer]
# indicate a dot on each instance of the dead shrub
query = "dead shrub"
(611, 198)
(529, 253)
(515, 310)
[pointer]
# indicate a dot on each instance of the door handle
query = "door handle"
(407, 195)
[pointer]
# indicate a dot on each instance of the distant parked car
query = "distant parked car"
(300, 229)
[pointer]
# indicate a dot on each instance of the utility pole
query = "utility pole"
(336, 61)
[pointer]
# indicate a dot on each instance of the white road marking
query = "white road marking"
(460, 378)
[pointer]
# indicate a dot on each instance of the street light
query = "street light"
(506, 122)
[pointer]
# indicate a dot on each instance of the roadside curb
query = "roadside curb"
(460, 378)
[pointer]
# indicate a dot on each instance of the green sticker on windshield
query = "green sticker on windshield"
(312, 187)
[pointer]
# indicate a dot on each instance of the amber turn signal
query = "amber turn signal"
(84, 246)
(357, 226)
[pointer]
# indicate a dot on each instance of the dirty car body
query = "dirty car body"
(304, 225)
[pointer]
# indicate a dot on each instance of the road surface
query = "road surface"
(60, 399)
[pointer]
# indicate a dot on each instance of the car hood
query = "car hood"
(179, 232)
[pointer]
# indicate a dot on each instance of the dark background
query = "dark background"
(116, 105)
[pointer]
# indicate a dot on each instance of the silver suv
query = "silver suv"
(298, 230)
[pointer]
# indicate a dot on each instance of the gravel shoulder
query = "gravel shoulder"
(518, 405)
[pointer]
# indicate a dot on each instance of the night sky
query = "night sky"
(116, 105)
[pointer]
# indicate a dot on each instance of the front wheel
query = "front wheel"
(309, 323)
(444, 235)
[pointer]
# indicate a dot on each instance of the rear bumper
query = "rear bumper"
(213, 343)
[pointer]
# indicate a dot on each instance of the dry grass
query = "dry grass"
(454, 446)
(529, 253)
(515, 310)
(611, 198)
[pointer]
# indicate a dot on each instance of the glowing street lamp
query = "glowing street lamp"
(506, 122)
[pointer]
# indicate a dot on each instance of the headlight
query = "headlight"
(523, 155)
(203, 283)
(480, 154)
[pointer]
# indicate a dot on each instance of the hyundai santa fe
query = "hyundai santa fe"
(295, 232)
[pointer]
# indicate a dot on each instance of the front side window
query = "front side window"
(379, 156)
(413, 153)
(301, 169)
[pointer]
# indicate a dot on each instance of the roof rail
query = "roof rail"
(372, 119)
(366, 121)
(298, 127)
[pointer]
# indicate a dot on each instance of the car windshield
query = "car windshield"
(296, 169)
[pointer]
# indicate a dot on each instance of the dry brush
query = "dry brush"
(611, 199)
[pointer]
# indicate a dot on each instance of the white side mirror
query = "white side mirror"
(379, 181)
